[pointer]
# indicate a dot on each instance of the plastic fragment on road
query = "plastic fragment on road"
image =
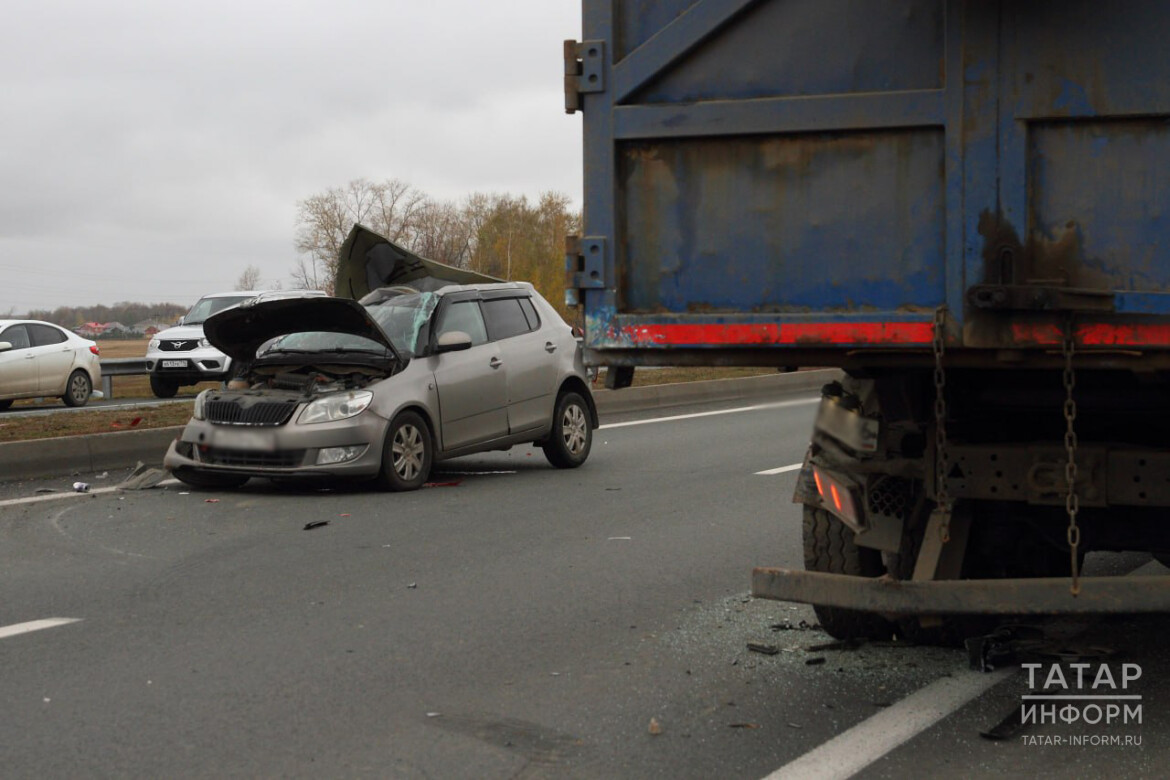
(655, 727)
(81, 487)
(315, 524)
(211, 500)
(412, 586)
(456, 483)
(143, 477)
(760, 647)
(743, 725)
(820, 659)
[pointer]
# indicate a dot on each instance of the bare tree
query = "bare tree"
(324, 220)
(249, 279)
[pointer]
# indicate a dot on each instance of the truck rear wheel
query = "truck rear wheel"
(829, 547)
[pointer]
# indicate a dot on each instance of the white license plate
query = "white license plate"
(241, 440)
(174, 364)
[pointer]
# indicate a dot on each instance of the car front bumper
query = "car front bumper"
(289, 450)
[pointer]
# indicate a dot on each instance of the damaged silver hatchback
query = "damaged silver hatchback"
(384, 388)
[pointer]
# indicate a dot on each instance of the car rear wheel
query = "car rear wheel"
(204, 479)
(163, 388)
(78, 389)
(571, 436)
(407, 455)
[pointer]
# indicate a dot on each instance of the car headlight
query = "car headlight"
(153, 344)
(336, 407)
(204, 343)
(197, 411)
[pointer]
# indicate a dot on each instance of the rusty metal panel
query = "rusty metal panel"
(822, 174)
(1046, 596)
(783, 223)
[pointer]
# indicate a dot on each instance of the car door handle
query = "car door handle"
(495, 362)
(550, 347)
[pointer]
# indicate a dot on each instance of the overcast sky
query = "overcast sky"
(153, 149)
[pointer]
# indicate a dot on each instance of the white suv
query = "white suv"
(181, 356)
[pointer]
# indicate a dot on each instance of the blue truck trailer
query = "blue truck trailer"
(963, 204)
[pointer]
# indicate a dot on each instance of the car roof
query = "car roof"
(383, 294)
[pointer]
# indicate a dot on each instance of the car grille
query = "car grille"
(265, 413)
(252, 458)
(175, 345)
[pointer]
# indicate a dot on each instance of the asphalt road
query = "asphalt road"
(512, 620)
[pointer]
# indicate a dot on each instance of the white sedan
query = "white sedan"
(42, 360)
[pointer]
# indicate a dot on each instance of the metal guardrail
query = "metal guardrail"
(113, 367)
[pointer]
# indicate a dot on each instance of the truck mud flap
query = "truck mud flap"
(1040, 596)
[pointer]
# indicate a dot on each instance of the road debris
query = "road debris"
(81, 487)
(315, 524)
(211, 500)
(455, 483)
(743, 725)
(143, 477)
(46, 490)
(412, 586)
(848, 644)
(760, 647)
(820, 659)
(655, 727)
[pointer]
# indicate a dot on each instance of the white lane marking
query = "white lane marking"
(73, 494)
(673, 418)
(35, 625)
(853, 750)
(780, 470)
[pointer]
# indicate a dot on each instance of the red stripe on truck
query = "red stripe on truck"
(1094, 334)
(916, 333)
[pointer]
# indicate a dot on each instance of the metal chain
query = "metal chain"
(1072, 503)
(941, 455)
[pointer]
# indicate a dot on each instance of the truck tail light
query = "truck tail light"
(838, 498)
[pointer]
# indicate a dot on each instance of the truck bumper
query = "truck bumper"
(1039, 596)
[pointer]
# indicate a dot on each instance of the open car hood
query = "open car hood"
(368, 261)
(240, 330)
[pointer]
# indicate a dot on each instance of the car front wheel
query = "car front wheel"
(78, 389)
(163, 388)
(571, 436)
(407, 455)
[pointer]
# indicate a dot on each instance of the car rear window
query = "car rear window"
(505, 318)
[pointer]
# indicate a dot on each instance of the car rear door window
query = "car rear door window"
(505, 318)
(17, 336)
(464, 316)
(530, 313)
(45, 335)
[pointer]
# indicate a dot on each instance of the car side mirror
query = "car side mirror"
(5, 346)
(180, 322)
(453, 341)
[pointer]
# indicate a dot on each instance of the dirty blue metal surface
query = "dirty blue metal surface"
(755, 169)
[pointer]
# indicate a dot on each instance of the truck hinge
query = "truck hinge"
(584, 266)
(584, 71)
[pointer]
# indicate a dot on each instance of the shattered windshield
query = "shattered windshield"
(208, 306)
(404, 319)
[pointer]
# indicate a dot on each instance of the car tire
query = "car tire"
(204, 479)
(571, 436)
(5, 404)
(78, 389)
(407, 454)
(829, 547)
(163, 388)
